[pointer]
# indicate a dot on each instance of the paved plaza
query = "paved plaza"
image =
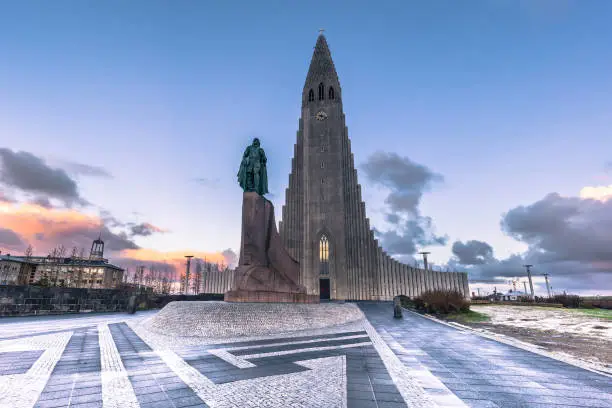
(112, 360)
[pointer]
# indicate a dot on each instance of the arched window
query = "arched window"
(324, 255)
(321, 91)
(310, 95)
(331, 93)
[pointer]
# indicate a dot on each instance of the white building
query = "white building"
(77, 272)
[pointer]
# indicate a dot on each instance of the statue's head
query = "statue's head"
(256, 142)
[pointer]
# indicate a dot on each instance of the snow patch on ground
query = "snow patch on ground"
(540, 318)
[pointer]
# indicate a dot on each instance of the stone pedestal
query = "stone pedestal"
(266, 272)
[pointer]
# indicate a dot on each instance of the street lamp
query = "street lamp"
(425, 259)
(529, 277)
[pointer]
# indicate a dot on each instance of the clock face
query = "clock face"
(321, 115)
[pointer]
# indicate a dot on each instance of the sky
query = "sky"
(131, 118)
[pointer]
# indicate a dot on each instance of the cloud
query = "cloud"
(47, 228)
(569, 238)
(144, 229)
(406, 182)
(473, 252)
(560, 228)
(405, 179)
(29, 173)
(4, 198)
(9, 239)
(601, 193)
(230, 258)
(86, 170)
(42, 201)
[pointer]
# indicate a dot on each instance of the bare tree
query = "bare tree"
(197, 278)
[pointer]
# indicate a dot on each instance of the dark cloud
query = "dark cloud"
(10, 239)
(81, 169)
(42, 202)
(143, 229)
(406, 182)
(567, 237)
(29, 173)
(473, 252)
(560, 229)
(82, 235)
(231, 259)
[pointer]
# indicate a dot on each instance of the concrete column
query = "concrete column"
(405, 284)
(458, 286)
(391, 278)
(393, 286)
(404, 279)
(466, 286)
(408, 272)
(383, 277)
(368, 259)
(362, 255)
(398, 278)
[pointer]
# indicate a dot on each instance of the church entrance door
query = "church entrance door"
(324, 289)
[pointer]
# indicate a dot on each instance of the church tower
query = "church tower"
(97, 249)
(324, 225)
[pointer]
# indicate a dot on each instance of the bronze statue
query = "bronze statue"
(253, 175)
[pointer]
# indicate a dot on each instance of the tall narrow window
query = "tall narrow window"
(310, 95)
(321, 91)
(324, 255)
(331, 93)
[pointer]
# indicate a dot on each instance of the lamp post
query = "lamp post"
(528, 267)
(425, 259)
(547, 284)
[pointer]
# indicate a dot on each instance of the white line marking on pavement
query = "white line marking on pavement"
(239, 362)
(117, 391)
(407, 384)
(364, 337)
(23, 390)
(302, 350)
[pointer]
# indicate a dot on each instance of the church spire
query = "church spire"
(321, 64)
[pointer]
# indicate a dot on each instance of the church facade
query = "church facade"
(324, 224)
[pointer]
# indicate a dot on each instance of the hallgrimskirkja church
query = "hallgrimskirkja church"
(324, 224)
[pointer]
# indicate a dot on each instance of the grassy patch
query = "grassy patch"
(599, 313)
(469, 316)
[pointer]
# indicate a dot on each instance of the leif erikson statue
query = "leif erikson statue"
(253, 175)
(266, 272)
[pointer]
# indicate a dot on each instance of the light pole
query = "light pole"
(425, 259)
(547, 284)
(187, 273)
(528, 267)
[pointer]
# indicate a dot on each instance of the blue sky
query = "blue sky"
(508, 100)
